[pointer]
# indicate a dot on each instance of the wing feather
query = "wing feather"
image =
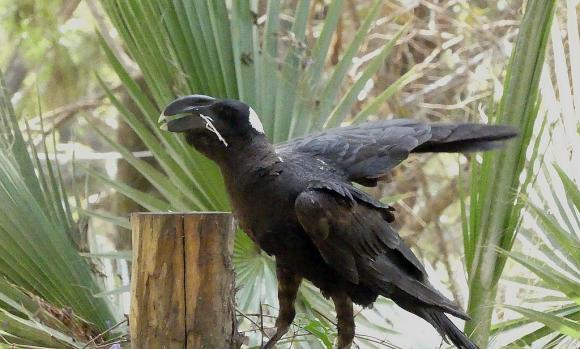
(334, 217)
(356, 241)
(366, 152)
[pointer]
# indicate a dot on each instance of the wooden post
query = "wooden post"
(182, 289)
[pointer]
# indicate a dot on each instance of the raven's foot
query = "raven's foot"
(344, 315)
(288, 284)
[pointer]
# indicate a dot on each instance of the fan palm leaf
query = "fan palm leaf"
(41, 271)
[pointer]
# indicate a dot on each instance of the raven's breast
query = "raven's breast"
(263, 202)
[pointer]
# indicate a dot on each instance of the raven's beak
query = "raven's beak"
(191, 107)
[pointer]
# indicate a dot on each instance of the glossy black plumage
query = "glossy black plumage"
(368, 151)
(297, 202)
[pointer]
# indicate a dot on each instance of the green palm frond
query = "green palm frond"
(39, 260)
(552, 246)
(557, 273)
(495, 204)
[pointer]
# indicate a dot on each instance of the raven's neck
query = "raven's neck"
(246, 166)
(249, 154)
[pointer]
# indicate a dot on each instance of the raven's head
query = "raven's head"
(213, 126)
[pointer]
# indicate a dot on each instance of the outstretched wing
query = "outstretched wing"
(368, 151)
(354, 239)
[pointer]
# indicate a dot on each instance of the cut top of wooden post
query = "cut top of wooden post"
(182, 289)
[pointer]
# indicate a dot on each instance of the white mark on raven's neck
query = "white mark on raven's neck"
(255, 121)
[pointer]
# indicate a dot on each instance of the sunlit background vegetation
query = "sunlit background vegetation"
(82, 86)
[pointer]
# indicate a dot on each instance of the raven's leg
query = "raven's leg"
(344, 315)
(288, 284)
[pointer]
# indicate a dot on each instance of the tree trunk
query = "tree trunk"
(182, 292)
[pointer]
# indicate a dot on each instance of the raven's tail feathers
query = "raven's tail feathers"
(451, 138)
(436, 317)
(447, 328)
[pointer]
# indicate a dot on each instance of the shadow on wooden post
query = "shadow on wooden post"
(182, 289)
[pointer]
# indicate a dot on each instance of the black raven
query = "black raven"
(297, 201)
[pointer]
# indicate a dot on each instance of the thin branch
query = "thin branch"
(100, 335)
(460, 105)
(353, 12)
(67, 9)
(432, 210)
(442, 244)
(53, 119)
(247, 317)
(127, 63)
